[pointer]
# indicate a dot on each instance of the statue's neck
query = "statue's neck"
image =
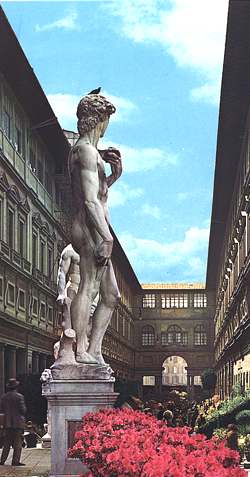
(93, 136)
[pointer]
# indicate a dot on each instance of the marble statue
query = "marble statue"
(91, 236)
(68, 279)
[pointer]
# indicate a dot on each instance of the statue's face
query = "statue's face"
(104, 127)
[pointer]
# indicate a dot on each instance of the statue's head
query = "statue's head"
(92, 110)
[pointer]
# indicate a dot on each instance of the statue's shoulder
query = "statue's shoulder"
(84, 148)
(85, 154)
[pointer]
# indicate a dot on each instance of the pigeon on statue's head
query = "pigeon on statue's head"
(95, 91)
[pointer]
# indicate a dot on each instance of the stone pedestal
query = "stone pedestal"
(70, 398)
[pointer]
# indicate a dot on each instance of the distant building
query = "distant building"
(228, 270)
(174, 337)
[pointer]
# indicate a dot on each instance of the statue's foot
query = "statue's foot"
(85, 357)
(98, 357)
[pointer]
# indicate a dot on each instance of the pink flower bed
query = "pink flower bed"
(126, 443)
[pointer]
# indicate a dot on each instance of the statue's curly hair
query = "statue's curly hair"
(91, 110)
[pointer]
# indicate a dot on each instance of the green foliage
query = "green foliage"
(237, 390)
(208, 379)
(220, 432)
(232, 405)
(243, 429)
(243, 417)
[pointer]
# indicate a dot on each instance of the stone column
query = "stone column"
(189, 386)
(232, 375)
(35, 363)
(226, 380)
(223, 382)
(11, 362)
(2, 369)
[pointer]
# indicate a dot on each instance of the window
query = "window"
(42, 256)
(148, 336)
(200, 300)
(35, 306)
(197, 381)
(6, 123)
(34, 249)
(50, 314)
(184, 338)
(32, 160)
(11, 294)
(174, 300)
(18, 140)
(43, 311)
(22, 237)
(200, 335)
(148, 380)
(164, 339)
(11, 228)
(174, 335)
(21, 299)
(50, 263)
(148, 301)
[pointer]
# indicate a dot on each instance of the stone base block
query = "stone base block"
(69, 400)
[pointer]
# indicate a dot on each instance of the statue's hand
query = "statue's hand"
(61, 298)
(103, 252)
(111, 155)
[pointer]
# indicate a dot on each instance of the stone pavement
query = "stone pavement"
(37, 464)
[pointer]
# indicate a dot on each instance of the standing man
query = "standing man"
(13, 406)
(91, 236)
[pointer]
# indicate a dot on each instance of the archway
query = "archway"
(174, 374)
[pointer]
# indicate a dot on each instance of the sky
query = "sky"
(160, 63)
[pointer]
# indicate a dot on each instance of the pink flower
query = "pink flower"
(126, 443)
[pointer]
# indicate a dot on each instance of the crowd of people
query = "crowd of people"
(177, 411)
(173, 410)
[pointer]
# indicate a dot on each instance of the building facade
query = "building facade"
(228, 270)
(174, 337)
(32, 148)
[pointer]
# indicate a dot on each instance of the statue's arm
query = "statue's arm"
(63, 269)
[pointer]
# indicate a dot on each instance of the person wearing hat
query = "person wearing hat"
(14, 409)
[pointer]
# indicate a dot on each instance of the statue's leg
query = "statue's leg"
(109, 297)
(81, 304)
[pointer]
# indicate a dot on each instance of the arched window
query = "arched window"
(200, 335)
(174, 335)
(148, 336)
